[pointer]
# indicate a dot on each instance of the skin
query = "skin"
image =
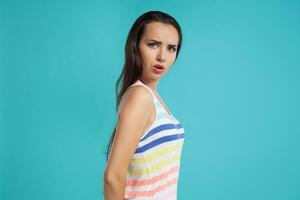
(161, 52)
(158, 45)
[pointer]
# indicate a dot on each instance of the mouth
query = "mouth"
(159, 68)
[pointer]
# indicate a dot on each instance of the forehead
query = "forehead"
(165, 33)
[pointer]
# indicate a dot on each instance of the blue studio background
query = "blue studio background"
(235, 88)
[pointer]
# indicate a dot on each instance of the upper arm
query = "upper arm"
(134, 112)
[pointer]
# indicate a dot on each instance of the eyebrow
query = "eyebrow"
(171, 45)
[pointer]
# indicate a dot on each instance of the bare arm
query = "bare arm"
(134, 112)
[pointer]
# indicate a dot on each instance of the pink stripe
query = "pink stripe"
(154, 179)
(151, 192)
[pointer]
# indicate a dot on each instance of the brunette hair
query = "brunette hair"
(133, 67)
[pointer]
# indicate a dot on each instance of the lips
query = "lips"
(160, 67)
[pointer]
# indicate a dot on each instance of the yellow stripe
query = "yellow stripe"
(154, 155)
(153, 168)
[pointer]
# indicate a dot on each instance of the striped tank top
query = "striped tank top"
(153, 171)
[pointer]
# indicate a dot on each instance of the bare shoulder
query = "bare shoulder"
(136, 97)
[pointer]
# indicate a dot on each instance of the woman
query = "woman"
(144, 150)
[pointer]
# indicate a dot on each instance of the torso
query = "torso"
(153, 171)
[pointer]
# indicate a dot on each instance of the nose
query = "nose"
(161, 56)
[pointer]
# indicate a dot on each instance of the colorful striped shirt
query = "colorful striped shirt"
(153, 171)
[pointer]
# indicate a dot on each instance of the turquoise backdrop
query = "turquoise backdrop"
(235, 88)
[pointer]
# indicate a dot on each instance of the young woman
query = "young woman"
(144, 150)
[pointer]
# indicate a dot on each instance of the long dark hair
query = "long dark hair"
(133, 67)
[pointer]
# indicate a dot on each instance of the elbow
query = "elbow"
(112, 178)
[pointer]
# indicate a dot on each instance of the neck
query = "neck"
(150, 83)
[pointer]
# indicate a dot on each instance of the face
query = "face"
(158, 49)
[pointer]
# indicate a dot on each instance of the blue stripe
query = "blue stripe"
(161, 128)
(158, 142)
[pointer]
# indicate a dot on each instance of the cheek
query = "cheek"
(172, 59)
(147, 55)
(143, 53)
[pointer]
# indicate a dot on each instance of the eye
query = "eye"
(172, 49)
(152, 45)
